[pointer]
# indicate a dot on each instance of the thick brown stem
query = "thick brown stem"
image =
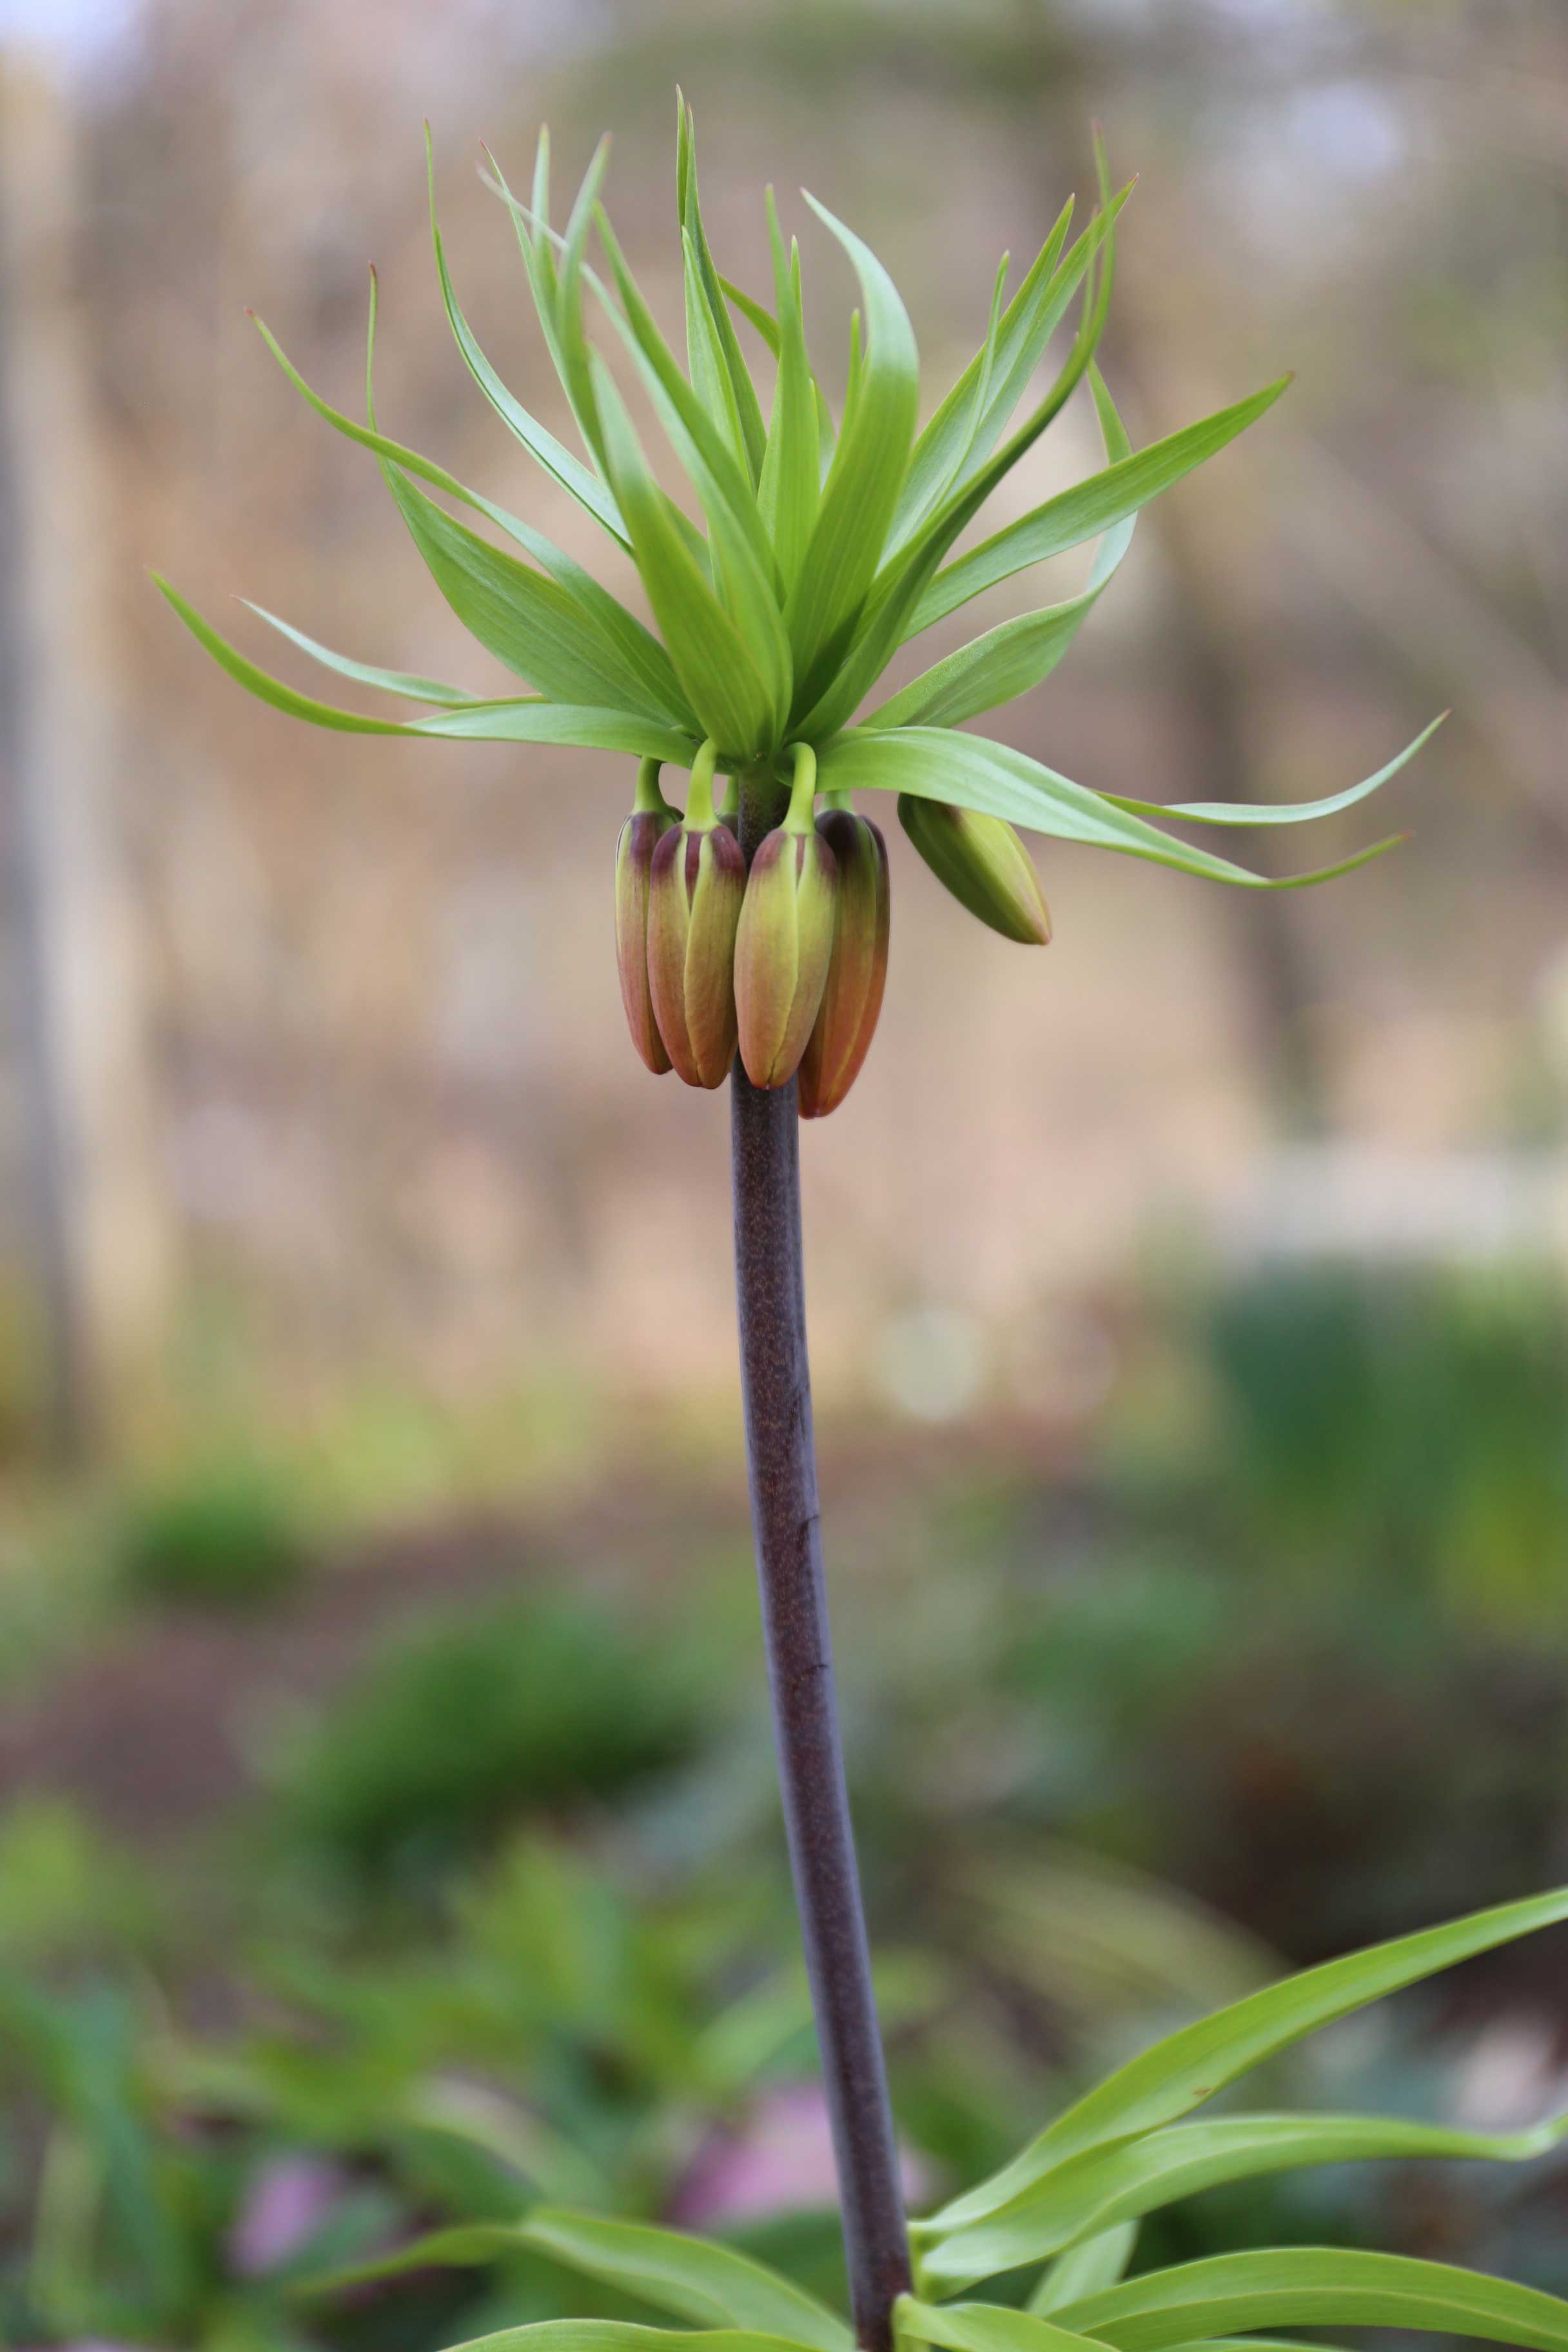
(781, 1457)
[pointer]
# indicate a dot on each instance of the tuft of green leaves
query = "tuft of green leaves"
(804, 550)
(1073, 2200)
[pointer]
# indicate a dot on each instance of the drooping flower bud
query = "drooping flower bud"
(785, 938)
(857, 968)
(650, 819)
(985, 864)
(698, 882)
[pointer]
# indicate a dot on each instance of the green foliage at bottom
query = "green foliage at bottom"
(1067, 2208)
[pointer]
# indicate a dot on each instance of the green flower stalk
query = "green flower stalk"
(810, 546)
(857, 969)
(696, 882)
(650, 819)
(786, 938)
(985, 864)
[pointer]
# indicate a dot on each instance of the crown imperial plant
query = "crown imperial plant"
(810, 547)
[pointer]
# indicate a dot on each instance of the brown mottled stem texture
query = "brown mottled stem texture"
(781, 1460)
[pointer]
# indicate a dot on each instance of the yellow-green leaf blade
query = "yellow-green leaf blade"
(1323, 2286)
(940, 764)
(861, 492)
(1179, 2072)
(1120, 2182)
(1018, 654)
(1089, 507)
(980, 2328)
(386, 681)
(1280, 811)
(689, 2276)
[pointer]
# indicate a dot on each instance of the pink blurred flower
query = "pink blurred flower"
(780, 2161)
(287, 2200)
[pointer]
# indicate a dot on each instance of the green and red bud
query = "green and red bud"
(785, 938)
(696, 886)
(650, 819)
(985, 864)
(858, 967)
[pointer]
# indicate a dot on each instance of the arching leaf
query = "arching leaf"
(1323, 2286)
(1189, 2066)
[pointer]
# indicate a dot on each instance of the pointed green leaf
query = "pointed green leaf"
(718, 474)
(530, 720)
(540, 444)
(621, 2336)
(388, 681)
(973, 772)
(861, 492)
(755, 313)
(1188, 2067)
(1022, 332)
(979, 2327)
(977, 407)
(705, 359)
(712, 659)
(743, 391)
(525, 619)
(571, 344)
(534, 238)
(688, 2276)
(647, 677)
(1085, 2269)
(1018, 654)
(1089, 507)
(744, 569)
(1128, 2179)
(1278, 812)
(902, 585)
(1026, 327)
(1328, 2286)
(265, 687)
(527, 720)
(789, 492)
(470, 2246)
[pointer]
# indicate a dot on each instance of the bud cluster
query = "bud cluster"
(786, 964)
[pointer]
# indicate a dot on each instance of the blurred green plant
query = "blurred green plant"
(219, 1535)
(475, 1718)
(1406, 1422)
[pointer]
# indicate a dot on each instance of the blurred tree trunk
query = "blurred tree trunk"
(1206, 629)
(99, 1238)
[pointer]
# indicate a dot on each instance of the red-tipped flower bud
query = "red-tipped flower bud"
(786, 938)
(696, 886)
(857, 968)
(650, 819)
(985, 864)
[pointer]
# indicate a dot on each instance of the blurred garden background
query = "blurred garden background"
(387, 1834)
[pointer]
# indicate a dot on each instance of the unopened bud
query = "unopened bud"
(650, 819)
(696, 886)
(985, 864)
(858, 967)
(786, 938)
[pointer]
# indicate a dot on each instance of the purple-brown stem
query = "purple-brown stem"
(781, 1461)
